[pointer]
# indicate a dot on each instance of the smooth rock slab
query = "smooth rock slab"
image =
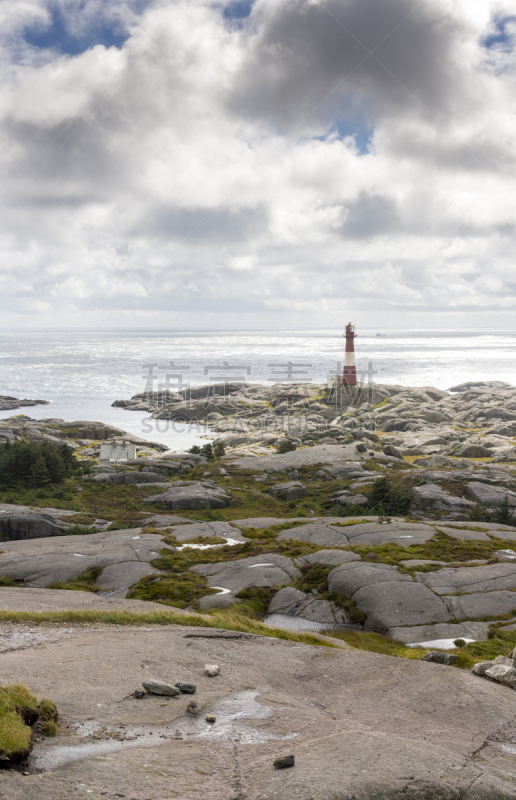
(488, 578)
(477, 606)
(432, 497)
(401, 533)
(267, 570)
(197, 496)
(430, 633)
(330, 558)
(125, 556)
(490, 496)
(347, 579)
(316, 533)
(392, 604)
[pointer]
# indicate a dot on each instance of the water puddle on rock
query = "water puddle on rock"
(231, 714)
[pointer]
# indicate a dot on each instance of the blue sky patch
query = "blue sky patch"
(238, 9)
(360, 132)
(62, 36)
(500, 36)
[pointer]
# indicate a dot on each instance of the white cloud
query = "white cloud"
(223, 166)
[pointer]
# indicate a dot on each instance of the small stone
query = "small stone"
(361, 448)
(187, 688)
(158, 687)
(211, 670)
(210, 718)
(286, 761)
(192, 707)
(440, 658)
(139, 694)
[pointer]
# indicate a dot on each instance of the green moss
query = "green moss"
(257, 599)
(15, 738)
(6, 581)
(84, 583)
(47, 709)
(313, 576)
(180, 590)
(49, 728)
(440, 548)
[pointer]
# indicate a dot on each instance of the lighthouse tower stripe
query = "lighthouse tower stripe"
(349, 374)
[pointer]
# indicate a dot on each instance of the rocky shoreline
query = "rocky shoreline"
(473, 420)
(10, 403)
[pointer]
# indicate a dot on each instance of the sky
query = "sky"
(257, 163)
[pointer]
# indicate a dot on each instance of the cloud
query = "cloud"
(254, 160)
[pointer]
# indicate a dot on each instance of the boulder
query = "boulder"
(502, 674)
(217, 601)
(16, 526)
(440, 658)
(432, 497)
(288, 491)
(474, 451)
(390, 450)
(490, 496)
(482, 667)
(287, 601)
(351, 500)
(186, 494)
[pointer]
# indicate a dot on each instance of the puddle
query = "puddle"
(231, 714)
(229, 541)
(222, 590)
(251, 566)
(441, 644)
(295, 623)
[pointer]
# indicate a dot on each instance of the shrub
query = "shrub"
(387, 498)
(503, 515)
(218, 449)
(285, 446)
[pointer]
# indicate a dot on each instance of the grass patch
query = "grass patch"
(84, 583)
(6, 581)
(181, 590)
(377, 643)
(440, 548)
(228, 619)
(18, 710)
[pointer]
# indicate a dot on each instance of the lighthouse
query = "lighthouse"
(349, 375)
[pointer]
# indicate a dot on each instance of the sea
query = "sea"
(82, 371)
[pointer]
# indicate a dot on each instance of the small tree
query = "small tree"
(218, 449)
(503, 514)
(39, 472)
(207, 451)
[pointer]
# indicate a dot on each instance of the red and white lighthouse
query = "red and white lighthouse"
(349, 375)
